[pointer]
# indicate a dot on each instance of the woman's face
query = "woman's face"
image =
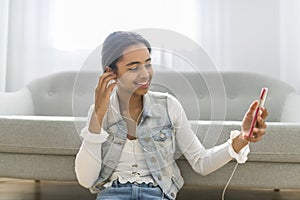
(135, 71)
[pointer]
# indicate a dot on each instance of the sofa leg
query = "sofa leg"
(37, 181)
(276, 190)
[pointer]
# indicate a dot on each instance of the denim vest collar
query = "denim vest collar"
(113, 115)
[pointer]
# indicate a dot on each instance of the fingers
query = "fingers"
(252, 108)
(261, 118)
(264, 113)
(104, 80)
(259, 130)
(258, 133)
(253, 139)
(261, 122)
(111, 87)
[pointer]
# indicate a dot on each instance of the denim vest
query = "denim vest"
(155, 134)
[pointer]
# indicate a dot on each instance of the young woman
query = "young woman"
(129, 139)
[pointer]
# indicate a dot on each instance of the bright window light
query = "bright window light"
(84, 24)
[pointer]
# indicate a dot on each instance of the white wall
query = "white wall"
(253, 35)
(290, 41)
(248, 35)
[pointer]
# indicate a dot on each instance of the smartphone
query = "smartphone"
(261, 102)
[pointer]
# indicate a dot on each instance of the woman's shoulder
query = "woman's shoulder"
(174, 108)
(160, 95)
(163, 95)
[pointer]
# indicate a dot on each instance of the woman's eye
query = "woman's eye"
(137, 67)
(134, 68)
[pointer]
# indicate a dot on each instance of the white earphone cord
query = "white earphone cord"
(224, 190)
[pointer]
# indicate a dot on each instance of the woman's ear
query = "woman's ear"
(107, 69)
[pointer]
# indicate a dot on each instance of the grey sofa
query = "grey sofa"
(40, 124)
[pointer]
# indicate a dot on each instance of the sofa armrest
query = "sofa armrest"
(16, 103)
(291, 109)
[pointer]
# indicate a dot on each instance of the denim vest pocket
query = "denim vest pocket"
(163, 140)
(162, 134)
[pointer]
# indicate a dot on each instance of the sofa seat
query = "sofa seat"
(44, 148)
(48, 135)
(39, 135)
(273, 148)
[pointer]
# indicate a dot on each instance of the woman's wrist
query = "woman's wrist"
(94, 126)
(238, 143)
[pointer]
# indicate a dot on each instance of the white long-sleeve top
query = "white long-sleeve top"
(203, 161)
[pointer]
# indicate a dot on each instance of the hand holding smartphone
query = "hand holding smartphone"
(261, 102)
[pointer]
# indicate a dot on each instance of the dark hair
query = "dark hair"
(115, 44)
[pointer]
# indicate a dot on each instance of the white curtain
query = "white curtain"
(42, 37)
(3, 42)
(259, 36)
(24, 55)
(28, 52)
(290, 42)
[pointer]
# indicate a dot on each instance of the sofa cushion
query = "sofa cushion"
(52, 95)
(16, 103)
(291, 109)
(60, 136)
(222, 96)
(205, 96)
(278, 145)
(40, 135)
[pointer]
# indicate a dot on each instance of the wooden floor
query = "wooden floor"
(14, 189)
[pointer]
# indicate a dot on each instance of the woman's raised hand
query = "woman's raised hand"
(102, 98)
(102, 94)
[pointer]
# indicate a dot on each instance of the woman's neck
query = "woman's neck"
(129, 102)
(131, 108)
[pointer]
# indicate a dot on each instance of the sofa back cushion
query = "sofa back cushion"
(223, 95)
(52, 95)
(16, 103)
(205, 95)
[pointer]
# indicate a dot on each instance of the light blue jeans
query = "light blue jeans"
(131, 191)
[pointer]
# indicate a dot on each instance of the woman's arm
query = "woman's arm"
(203, 161)
(88, 159)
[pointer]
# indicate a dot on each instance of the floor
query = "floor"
(14, 189)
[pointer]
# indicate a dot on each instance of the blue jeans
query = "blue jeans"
(131, 191)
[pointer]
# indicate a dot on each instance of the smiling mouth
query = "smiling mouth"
(144, 84)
